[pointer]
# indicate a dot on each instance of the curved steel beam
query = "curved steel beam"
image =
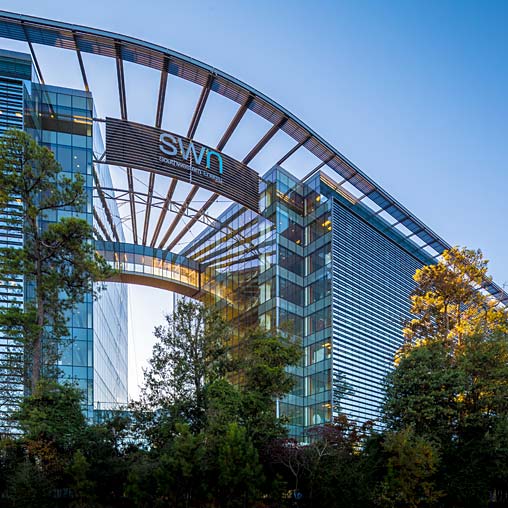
(101, 42)
(164, 211)
(196, 217)
(104, 43)
(121, 196)
(179, 215)
(104, 203)
(35, 30)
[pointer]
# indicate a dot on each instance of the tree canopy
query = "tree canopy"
(205, 432)
(449, 391)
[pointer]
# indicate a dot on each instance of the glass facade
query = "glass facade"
(15, 82)
(326, 270)
(229, 257)
(300, 298)
(110, 347)
(372, 282)
(342, 282)
(61, 120)
(315, 262)
(94, 356)
(110, 327)
(132, 260)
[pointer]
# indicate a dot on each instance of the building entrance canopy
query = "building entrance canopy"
(79, 39)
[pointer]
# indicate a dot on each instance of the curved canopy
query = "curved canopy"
(122, 48)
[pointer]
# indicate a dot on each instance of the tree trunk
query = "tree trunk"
(37, 344)
(37, 339)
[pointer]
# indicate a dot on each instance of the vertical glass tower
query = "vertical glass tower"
(295, 290)
(339, 279)
(61, 120)
(319, 265)
(15, 80)
(95, 356)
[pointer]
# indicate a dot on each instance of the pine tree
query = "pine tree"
(450, 384)
(57, 261)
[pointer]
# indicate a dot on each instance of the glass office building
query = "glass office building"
(320, 265)
(95, 354)
(15, 71)
(315, 262)
(328, 258)
(343, 278)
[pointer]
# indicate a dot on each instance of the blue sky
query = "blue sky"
(413, 92)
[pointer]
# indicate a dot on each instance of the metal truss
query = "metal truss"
(123, 196)
(102, 197)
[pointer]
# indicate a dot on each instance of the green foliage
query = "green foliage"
(450, 386)
(173, 474)
(412, 464)
(422, 392)
(82, 487)
(205, 433)
(263, 362)
(329, 470)
(60, 459)
(191, 351)
(52, 414)
(265, 355)
(237, 469)
(28, 486)
(224, 405)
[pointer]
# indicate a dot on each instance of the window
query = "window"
(291, 292)
(290, 261)
(266, 292)
(289, 229)
(318, 352)
(318, 227)
(293, 413)
(319, 289)
(319, 258)
(319, 320)
(291, 322)
(319, 413)
(319, 382)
